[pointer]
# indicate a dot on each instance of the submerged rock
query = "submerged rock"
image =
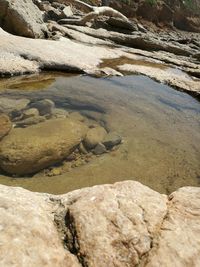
(99, 149)
(126, 224)
(94, 136)
(112, 139)
(30, 121)
(8, 105)
(59, 113)
(28, 150)
(82, 149)
(44, 106)
(32, 112)
(5, 125)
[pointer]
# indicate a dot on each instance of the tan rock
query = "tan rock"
(125, 224)
(5, 125)
(22, 18)
(7, 105)
(27, 232)
(178, 242)
(31, 149)
(32, 112)
(94, 136)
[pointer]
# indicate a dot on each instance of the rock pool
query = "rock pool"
(159, 125)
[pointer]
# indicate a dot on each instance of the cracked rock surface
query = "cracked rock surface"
(22, 18)
(125, 224)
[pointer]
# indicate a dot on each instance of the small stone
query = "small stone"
(55, 172)
(16, 115)
(82, 149)
(112, 139)
(99, 149)
(66, 166)
(32, 112)
(67, 12)
(94, 136)
(59, 113)
(44, 106)
(5, 125)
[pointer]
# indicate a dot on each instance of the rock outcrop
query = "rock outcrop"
(22, 18)
(27, 150)
(184, 15)
(125, 224)
(23, 55)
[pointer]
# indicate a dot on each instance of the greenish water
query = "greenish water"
(160, 127)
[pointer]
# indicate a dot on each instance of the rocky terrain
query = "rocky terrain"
(120, 225)
(36, 135)
(83, 44)
(125, 224)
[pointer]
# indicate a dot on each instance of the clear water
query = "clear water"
(160, 128)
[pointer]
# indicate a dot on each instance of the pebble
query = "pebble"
(99, 149)
(112, 139)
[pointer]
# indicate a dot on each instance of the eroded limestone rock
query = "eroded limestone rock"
(126, 224)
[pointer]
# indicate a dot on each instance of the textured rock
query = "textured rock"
(67, 12)
(32, 112)
(44, 106)
(178, 241)
(28, 234)
(99, 149)
(112, 139)
(7, 104)
(22, 18)
(30, 121)
(5, 125)
(94, 136)
(64, 55)
(59, 113)
(33, 148)
(125, 224)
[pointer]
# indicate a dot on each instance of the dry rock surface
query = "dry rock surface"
(125, 224)
(81, 43)
(22, 18)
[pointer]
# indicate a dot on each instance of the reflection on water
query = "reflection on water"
(160, 127)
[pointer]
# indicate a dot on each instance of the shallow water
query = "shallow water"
(160, 128)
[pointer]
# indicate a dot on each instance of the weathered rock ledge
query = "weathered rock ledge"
(88, 43)
(125, 224)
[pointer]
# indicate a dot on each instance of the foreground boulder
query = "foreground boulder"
(22, 18)
(27, 150)
(125, 224)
